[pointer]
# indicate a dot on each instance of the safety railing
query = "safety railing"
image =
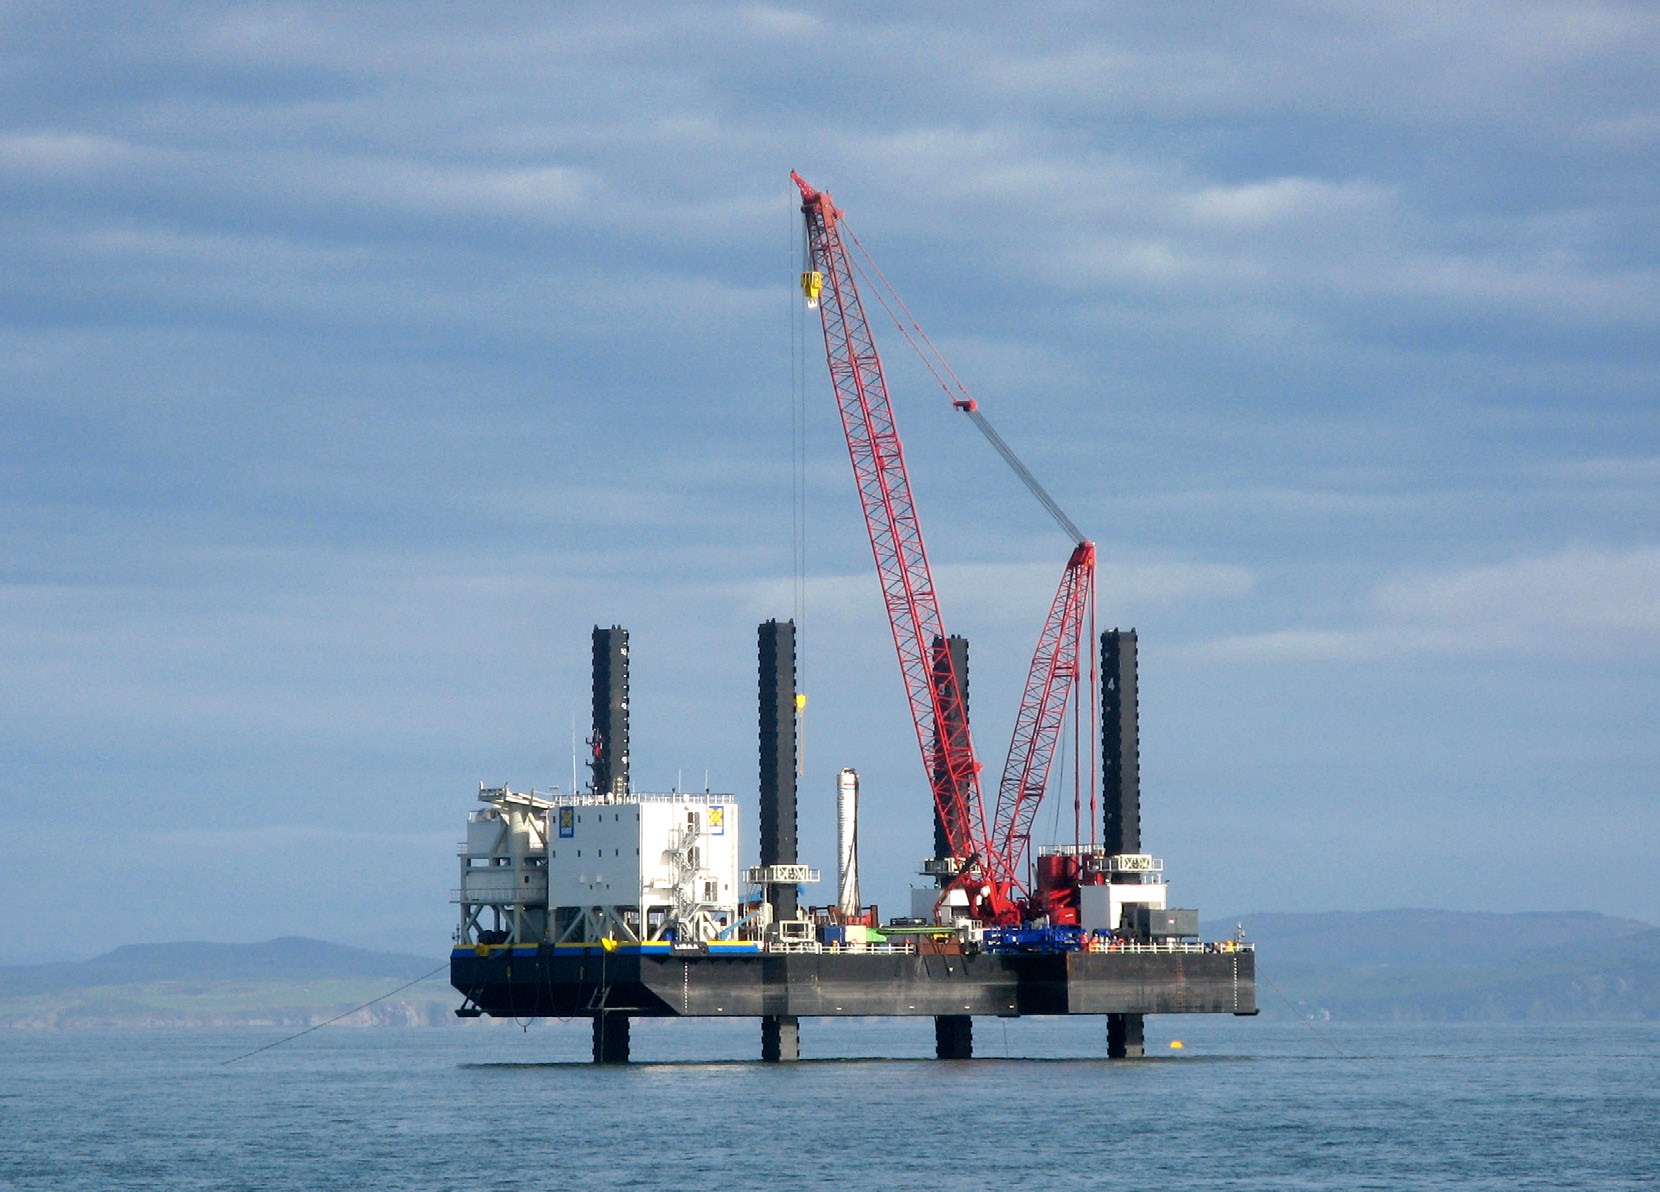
(886, 948)
(1165, 946)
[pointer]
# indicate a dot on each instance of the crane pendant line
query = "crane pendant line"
(1056, 662)
(884, 488)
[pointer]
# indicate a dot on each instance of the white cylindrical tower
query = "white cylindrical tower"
(847, 842)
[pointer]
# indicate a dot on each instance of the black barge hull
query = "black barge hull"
(545, 983)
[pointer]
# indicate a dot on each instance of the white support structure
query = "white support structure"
(504, 868)
(583, 868)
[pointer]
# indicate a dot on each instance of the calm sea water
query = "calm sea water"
(1244, 1104)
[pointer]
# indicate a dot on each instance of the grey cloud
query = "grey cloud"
(1586, 603)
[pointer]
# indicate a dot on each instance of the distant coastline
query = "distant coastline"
(288, 983)
(1400, 966)
(1419, 965)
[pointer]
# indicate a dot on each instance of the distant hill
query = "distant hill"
(1431, 965)
(284, 982)
(291, 958)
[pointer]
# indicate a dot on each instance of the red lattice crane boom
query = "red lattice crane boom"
(992, 859)
(933, 692)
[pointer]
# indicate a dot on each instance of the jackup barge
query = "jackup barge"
(615, 904)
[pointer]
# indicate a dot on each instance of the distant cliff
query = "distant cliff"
(1428, 966)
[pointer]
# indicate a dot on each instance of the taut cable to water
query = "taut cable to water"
(1306, 1020)
(319, 1026)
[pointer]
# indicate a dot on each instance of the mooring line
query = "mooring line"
(319, 1026)
(1307, 1021)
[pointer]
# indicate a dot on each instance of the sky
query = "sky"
(357, 359)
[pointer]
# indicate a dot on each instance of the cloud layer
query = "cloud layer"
(355, 359)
